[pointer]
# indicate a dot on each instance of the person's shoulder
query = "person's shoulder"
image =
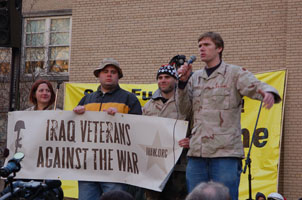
(230, 66)
(234, 68)
(92, 94)
(149, 103)
(197, 73)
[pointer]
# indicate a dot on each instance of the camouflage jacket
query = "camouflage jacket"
(216, 102)
(155, 107)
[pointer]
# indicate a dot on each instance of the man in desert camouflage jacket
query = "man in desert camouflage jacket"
(214, 94)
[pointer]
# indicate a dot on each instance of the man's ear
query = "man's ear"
(219, 49)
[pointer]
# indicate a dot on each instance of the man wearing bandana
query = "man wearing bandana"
(162, 104)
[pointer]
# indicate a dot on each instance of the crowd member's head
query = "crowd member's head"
(209, 191)
(42, 94)
(275, 196)
(260, 196)
(116, 195)
(166, 79)
(109, 73)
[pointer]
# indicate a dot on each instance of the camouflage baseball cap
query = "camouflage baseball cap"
(105, 63)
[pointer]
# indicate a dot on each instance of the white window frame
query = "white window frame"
(45, 71)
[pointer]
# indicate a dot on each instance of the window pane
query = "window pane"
(4, 68)
(5, 57)
(34, 54)
(35, 40)
(59, 38)
(59, 65)
(59, 53)
(60, 25)
(33, 66)
(35, 26)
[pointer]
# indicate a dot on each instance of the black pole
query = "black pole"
(14, 103)
(248, 157)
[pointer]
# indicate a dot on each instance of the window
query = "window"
(5, 59)
(47, 45)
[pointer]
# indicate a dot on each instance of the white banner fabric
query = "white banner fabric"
(132, 149)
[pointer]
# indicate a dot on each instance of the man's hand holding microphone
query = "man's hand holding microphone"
(184, 72)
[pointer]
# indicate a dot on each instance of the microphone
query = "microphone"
(190, 61)
(12, 166)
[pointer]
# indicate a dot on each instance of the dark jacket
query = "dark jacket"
(122, 100)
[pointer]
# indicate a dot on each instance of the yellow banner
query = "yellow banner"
(266, 147)
(75, 91)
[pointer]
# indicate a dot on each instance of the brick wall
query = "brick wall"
(45, 5)
(291, 163)
(142, 35)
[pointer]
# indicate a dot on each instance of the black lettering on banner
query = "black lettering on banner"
(127, 127)
(89, 132)
(108, 132)
(78, 151)
(69, 158)
(127, 161)
(95, 131)
(246, 138)
(71, 131)
(134, 91)
(155, 152)
(53, 126)
(57, 163)
(143, 94)
(62, 157)
(101, 132)
(62, 134)
(257, 139)
(105, 132)
(83, 129)
(104, 158)
(40, 161)
(48, 157)
(116, 134)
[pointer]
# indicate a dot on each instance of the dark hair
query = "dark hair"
(34, 87)
(116, 195)
(259, 194)
(216, 38)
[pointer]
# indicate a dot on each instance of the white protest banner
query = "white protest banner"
(95, 146)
